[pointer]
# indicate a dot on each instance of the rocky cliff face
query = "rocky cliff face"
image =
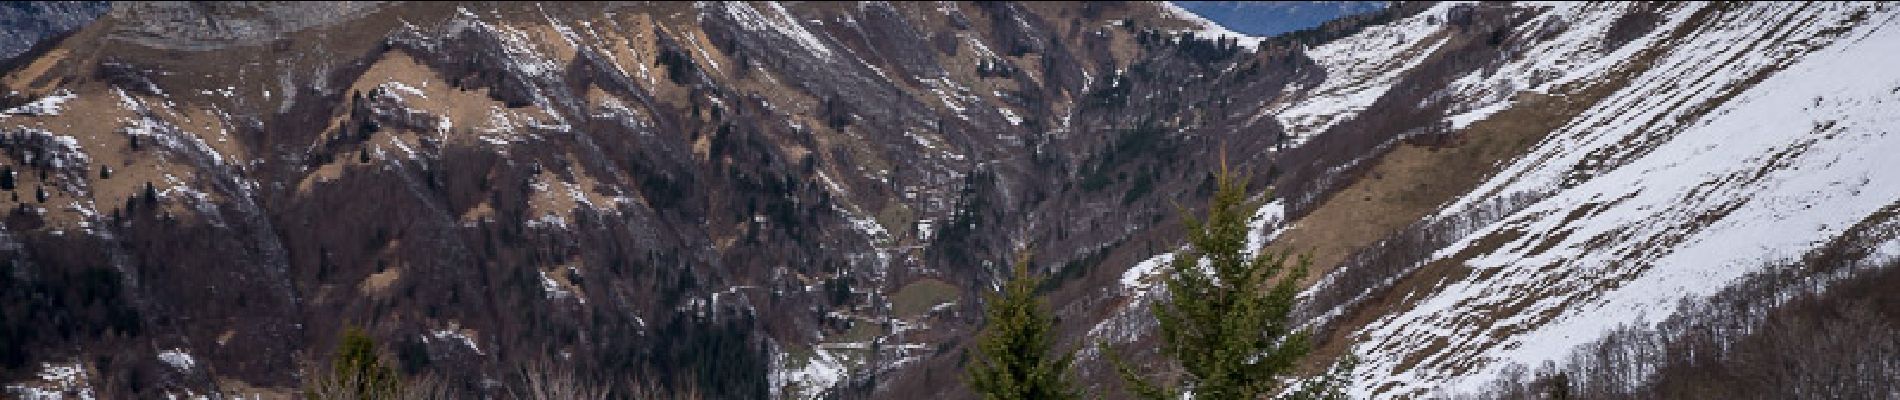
(757, 199)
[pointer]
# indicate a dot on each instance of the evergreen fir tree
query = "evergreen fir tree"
(1013, 356)
(359, 371)
(151, 194)
(1224, 319)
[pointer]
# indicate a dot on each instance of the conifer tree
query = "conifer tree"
(357, 371)
(1014, 359)
(1224, 319)
(151, 193)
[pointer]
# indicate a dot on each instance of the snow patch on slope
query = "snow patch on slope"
(178, 359)
(455, 334)
(781, 21)
(1566, 45)
(821, 370)
(44, 106)
(1268, 223)
(1359, 70)
(57, 381)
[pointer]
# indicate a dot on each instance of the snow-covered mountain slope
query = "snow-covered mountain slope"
(1762, 134)
(1689, 145)
(1359, 70)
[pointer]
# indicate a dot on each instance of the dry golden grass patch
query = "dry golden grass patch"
(559, 194)
(226, 336)
(377, 284)
(463, 108)
(34, 78)
(480, 212)
(552, 197)
(1411, 182)
(209, 125)
(549, 43)
(917, 298)
(98, 123)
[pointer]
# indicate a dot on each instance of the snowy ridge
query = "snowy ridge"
(1679, 183)
(1569, 46)
(1210, 29)
(1359, 69)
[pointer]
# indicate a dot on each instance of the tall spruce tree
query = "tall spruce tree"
(1224, 319)
(1014, 359)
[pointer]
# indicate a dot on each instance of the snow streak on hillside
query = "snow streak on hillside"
(1209, 29)
(1569, 43)
(1763, 133)
(1359, 69)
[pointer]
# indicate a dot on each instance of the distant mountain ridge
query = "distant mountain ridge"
(1269, 18)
